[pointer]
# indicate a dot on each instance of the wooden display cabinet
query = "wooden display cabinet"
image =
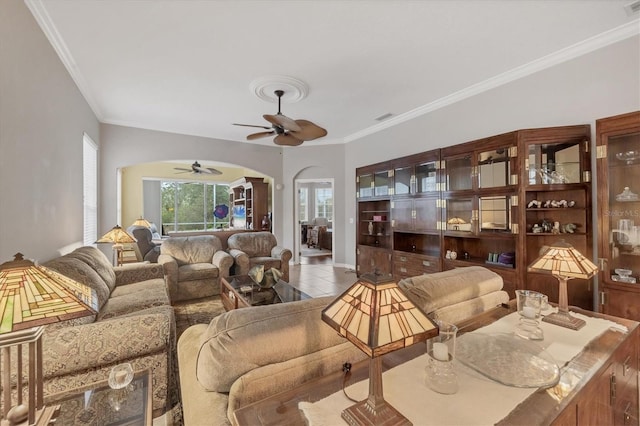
(555, 197)
(249, 202)
(618, 168)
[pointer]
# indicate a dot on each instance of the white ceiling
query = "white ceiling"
(187, 66)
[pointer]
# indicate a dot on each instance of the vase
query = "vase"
(266, 223)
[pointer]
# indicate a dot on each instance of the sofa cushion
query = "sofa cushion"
(281, 332)
(98, 262)
(78, 270)
(469, 308)
(135, 297)
(197, 271)
(434, 291)
(194, 249)
(254, 244)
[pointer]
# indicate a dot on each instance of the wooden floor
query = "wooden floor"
(317, 276)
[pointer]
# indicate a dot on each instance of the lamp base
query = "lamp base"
(563, 319)
(363, 413)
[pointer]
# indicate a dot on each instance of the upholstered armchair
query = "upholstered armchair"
(148, 249)
(258, 248)
(193, 266)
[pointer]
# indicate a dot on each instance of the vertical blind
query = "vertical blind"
(90, 189)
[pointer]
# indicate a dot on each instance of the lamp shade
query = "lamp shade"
(141, 222)
(561, 259)
(32, 295)
(563, 262)
(376, 316)
(117, 235)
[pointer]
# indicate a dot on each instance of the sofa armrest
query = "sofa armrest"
(70, 350)
(282, 253)
(170, 267)
(136, 272)
(223, 261)
(241, 260)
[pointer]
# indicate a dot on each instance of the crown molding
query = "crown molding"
(39, 12)
(599, 41)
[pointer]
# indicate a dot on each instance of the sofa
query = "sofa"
(456, 294)
(258, 248)
(221, 369)
(193, 266)
(135, 323)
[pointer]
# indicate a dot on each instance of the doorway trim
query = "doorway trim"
(297, 237)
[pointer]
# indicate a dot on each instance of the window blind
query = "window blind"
(90, 189)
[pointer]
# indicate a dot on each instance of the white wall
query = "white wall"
(42, 120)
(600, 84)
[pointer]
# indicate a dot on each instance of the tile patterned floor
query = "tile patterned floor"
(317, 277)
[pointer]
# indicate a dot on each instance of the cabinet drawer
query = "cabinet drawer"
(412, 264)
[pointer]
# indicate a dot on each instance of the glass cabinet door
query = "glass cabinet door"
(402, 180)
(554, 163)
(426, 179)
(365, 185)
(494, 168)
(381, 183)
(459, 215)
(623, 161)
(458, 173)
(495, 214)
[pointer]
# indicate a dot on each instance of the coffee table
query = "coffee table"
(239, 291)
(98, 404)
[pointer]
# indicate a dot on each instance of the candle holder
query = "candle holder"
(529, 308)
(441, 376)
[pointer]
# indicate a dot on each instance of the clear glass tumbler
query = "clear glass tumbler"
(441, 376)
(529, 308)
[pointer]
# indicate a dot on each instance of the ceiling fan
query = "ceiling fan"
(288, 132)
(197, 169)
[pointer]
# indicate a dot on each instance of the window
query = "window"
(194, 206)
(324, 203)
(303, 204)
(90, 190)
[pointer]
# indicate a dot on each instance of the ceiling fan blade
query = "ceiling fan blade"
(252, 125)
(309, 131)
(259, 135)
(287, 140)
(182, 169)
(207, 170)
(282, 121)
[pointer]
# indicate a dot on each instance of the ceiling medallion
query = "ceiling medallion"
(294, 90)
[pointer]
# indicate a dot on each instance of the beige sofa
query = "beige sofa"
(193, 266)
(456, 294)
(135, 324)
(221, 368)
(258, 248)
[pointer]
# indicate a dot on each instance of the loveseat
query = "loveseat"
(135, 323)
(258, 248)
(193, 266)
(222, 369)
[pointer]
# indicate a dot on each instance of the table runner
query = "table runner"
(479, 400)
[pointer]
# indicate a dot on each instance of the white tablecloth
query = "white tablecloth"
(479, 400)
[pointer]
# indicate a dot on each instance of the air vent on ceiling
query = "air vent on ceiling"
(387, 115)
(633, 7)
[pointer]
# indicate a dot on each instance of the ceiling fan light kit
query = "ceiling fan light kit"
(288, 132)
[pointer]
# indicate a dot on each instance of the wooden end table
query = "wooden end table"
(239, 291)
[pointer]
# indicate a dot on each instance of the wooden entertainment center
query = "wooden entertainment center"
(494, 202)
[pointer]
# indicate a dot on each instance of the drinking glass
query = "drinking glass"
(529, 307)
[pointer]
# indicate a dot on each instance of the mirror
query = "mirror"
(494, 168)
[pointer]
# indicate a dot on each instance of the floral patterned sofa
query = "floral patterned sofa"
(135, 324)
